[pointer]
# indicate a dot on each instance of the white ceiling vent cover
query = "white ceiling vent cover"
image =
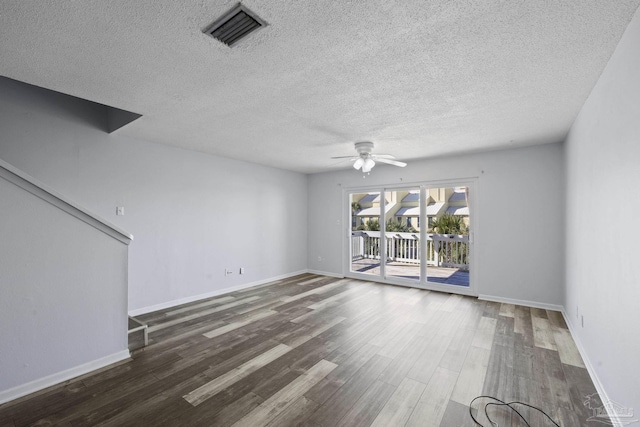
(234, 25)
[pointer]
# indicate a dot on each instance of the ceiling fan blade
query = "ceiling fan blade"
(391, 162)
(383, 156)
(345, 157)
(339, 162)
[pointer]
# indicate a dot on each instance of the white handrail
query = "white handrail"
(35, 187)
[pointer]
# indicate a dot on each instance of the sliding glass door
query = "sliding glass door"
(447, 238)
(416, 235)
(396, 252)
(365, 226)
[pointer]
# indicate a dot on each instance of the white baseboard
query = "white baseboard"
(533, 304)
(325, 273)
(186, 300)
(50, 380)
(592, 372)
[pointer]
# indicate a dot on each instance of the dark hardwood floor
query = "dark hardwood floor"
(319, 351)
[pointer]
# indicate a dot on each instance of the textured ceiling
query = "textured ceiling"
(419, 78)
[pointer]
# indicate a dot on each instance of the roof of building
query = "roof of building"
(432, 209)
(374, 211)
(411, 197)
(457, 196)
(370, 198)
(458, 210)
(408, 211)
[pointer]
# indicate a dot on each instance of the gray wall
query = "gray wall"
(63, 293)
(520, 204)
(192, 215)
(603, 202)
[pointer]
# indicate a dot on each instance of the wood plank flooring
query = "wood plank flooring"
(318, 351)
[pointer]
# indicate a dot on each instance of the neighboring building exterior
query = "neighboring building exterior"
(404, 206)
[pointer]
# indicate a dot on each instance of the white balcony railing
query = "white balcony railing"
(443, 250)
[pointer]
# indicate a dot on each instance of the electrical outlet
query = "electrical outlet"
(119, 210)
(241, 270)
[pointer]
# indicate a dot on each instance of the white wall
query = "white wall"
(192, 214)
(603, 232)
(63, 295)
(520, 207)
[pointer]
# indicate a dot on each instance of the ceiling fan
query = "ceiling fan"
(366, 160)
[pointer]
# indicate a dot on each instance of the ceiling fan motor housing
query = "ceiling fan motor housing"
(364, 147)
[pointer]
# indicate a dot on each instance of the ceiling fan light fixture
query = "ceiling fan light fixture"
(366, 160)
(368, 165)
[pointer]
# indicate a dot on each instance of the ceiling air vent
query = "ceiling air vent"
(234, 25)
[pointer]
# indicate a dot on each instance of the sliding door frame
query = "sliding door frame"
(422, 283)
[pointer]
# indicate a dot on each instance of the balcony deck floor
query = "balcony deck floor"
(442, 275)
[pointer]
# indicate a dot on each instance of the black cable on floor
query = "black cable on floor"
(509, 405)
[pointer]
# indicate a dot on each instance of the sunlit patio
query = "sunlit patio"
(447, 256)
(442, 275)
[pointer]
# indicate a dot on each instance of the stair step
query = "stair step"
(138, 334)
